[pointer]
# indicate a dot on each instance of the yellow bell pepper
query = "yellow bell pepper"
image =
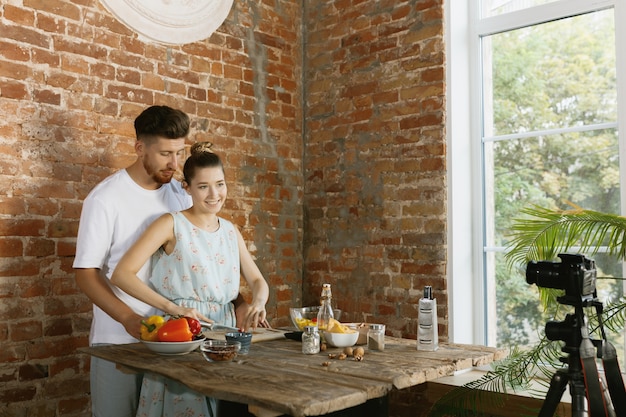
(150, 328)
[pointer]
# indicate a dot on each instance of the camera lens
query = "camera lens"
(544, 274)
(562, 330)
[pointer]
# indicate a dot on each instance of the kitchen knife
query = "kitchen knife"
(216, 326)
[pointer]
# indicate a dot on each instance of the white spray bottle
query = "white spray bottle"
(427, 332)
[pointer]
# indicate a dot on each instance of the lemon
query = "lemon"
(302, 323)
(334, 326)
(337, 327)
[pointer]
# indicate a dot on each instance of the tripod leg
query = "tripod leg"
(553, 397)
(579, 399)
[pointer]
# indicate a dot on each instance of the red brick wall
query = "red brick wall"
(72, 80)
(375, 168)
(362, 205)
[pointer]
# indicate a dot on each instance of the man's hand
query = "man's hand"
(132, 324)
(99, 292)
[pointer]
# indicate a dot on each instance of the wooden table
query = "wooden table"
(276, 376)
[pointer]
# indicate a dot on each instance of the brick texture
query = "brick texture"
(375, 166)
(330, 116)
(72, 79)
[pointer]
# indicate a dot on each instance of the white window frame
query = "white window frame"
(468, 300)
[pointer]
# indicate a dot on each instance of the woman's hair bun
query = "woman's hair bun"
(201, 147)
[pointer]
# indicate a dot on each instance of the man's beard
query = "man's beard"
(157, 176)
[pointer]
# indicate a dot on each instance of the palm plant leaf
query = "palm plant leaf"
(545, 233)
(613, 317)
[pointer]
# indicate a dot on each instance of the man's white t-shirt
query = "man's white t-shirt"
(115, 213)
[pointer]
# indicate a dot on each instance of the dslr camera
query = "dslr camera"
(575, 274)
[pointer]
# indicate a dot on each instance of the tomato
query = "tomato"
(194, 325)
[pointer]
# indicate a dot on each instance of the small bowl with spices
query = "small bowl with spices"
(220, 350)
(245, 338)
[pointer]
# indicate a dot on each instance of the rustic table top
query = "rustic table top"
(276, 376)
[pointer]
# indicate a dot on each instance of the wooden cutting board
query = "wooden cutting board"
(258, 335)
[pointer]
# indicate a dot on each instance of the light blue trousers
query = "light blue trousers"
(113, 392)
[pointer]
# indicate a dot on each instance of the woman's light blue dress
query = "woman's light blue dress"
(202, 272)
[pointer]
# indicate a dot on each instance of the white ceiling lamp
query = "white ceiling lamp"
(171, 21)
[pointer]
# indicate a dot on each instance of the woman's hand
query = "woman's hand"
(251, 316)
(189, 312)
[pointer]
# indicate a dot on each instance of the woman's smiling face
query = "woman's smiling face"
(208, 189)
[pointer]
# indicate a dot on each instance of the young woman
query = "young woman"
(197, 261)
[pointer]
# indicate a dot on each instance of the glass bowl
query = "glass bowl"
(307, 316)
(219, 350)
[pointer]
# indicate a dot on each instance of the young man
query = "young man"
(114, 214)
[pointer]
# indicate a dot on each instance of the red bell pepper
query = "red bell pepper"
(175, 330)
(194, 325)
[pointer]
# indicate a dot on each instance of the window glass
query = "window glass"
(549, 138)
(555, 75)
(498, 7)
(552, 171)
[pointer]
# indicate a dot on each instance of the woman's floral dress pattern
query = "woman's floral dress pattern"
(202, 272)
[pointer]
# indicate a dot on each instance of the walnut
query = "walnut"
(326, 363)
(342, 356)
(358, 358)
(332, 355)
(348, 351)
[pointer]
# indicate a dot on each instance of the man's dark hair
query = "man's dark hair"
(161, 121)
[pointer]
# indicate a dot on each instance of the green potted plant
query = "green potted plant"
(542, 234)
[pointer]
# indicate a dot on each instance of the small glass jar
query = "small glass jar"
(310, 340)
(376, 337)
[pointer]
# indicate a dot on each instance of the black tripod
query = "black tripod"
(572, 375)
(576, 274)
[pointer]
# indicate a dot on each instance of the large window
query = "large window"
(542, 87)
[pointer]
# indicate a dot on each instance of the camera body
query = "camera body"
(575, 274)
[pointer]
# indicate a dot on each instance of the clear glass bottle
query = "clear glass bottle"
(376, 337)
(310, 340)
(325, 313)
